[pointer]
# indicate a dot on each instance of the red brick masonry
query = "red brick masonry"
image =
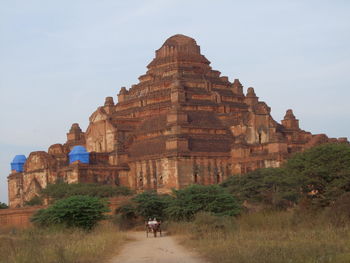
(20, 217)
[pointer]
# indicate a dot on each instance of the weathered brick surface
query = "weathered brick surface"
(20, 217)
(17, 217)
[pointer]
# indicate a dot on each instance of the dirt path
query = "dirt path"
(154, 250)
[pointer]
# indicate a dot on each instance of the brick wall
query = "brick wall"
(17, 217)
(20, 217)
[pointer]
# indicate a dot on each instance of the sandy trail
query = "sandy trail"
(154, 250)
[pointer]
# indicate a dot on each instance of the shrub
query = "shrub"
(63, 190)
(196, 198)
(150, 204)
(270, 186)
(3, 205)
(127, 210)
(76, 211)
(126, 216)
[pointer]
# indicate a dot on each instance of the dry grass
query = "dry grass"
(60, 245)
(267, 237)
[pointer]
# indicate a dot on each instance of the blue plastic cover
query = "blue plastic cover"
(79, 153)
(18, 163)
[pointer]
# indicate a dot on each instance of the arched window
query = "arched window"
(154, 180)
(260, 137)
(218, 178)
(140, 181)
(195, 178)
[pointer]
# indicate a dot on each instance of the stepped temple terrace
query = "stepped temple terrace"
(182, 124)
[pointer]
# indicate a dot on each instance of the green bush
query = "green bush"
(127, 210)
(76, 211)
(3, 205)
(182, 205)
(150, 204)
(126, 216)
(269, 186)
(198, 198)
(62, 190)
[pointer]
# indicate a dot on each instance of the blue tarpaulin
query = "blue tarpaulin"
(79, 153)
(18, 163)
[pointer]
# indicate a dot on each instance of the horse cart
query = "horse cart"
(153, 227)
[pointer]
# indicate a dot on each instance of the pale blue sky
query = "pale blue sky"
(60, 59)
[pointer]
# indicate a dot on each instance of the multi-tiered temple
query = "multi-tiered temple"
(182, 124)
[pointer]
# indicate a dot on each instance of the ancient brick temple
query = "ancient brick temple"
(182, 124)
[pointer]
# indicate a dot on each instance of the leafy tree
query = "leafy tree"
(76, 211)
(198, 198)
(150, 204)
(271, 186)
(323, 172)
(62, 190)
(127, 211)
(126, 216)
(3, 205)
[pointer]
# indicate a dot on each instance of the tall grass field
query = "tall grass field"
(59, 245)
(270, 237)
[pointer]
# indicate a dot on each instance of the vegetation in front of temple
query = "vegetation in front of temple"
(266, 237)
(60, 190)
(316, 177)
(301, 214)
(76, 211)
(68, 230)
(297, 213)
(181, 205)
(3, 205)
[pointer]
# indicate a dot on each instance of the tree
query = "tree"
(63, 190)
(3, 205)
(198, 198)
(323, 172)
(76, 211)
(150, 204)
(270, 186)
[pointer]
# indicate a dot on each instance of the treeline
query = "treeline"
(181, 205)
(314, 179)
